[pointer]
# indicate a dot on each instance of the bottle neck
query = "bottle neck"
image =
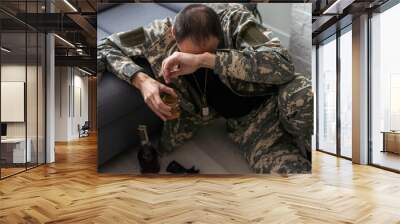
(144, 138)
(144, 143)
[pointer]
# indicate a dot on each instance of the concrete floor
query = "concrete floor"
(211, 151)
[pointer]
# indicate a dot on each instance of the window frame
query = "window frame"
(381, 9)
(337, 35)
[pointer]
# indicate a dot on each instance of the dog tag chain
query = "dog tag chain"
(205, 111)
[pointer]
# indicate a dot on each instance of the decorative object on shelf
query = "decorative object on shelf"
(391, 141)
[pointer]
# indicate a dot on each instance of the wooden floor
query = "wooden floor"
(387, 159)
(10, 171)
(71, 191)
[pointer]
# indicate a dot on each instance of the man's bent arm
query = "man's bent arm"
(114, 60)
(207, 60)
(257, 58)
(115, 52)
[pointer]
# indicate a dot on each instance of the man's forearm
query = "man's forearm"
(268, 67)
(207, 60)
(138, 79)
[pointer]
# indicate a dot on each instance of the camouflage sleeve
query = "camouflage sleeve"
(111, 58)
(115, 52)
(257, 57)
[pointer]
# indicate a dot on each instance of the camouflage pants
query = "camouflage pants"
(274, 138)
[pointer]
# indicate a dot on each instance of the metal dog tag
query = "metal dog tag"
(205, 111)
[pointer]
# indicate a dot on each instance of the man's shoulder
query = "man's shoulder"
(222, 8)
(232, 14)
(157, 27)
(161, 24)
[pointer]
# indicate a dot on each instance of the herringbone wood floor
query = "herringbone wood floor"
(71, 191)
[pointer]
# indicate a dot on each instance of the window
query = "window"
(385, 89)
(346, 92)
(327, 96)
(22, 78)
(314, 85)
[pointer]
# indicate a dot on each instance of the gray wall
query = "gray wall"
(291, 23)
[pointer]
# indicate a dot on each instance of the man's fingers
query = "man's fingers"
(162, 65)
(170, 64)
(153, 108)
(165, 72)
(167, 79)
(150, 103)
(168, 90)
(162, 107)
(174, 74)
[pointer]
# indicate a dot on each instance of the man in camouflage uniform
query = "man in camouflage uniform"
(274, 137)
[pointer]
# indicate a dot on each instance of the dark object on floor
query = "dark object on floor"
(84, 130)
(175, 167)
(147, 155)
(148, 160)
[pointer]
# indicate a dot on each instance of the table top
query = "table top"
(391, 132)
(13, 140)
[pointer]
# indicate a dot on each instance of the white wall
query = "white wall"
(15, 72)
(71, 93)
(61, 103)
(80, 100)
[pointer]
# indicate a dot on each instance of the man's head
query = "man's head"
(197, 29)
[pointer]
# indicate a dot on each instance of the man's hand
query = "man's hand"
(151, 90)
(180, 63)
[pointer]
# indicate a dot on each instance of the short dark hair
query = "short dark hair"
(198, 22)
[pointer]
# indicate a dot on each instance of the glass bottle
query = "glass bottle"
(147, 154)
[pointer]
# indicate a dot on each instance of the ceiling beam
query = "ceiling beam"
(337, 7)
(82, 22)
(89, 30)
(81, 61)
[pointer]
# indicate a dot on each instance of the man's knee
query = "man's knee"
(176, 132)
(171, 141)
(296, 106)
(281, 159)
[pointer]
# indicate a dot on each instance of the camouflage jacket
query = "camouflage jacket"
(250, 63)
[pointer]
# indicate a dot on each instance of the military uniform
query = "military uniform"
(274, 137)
